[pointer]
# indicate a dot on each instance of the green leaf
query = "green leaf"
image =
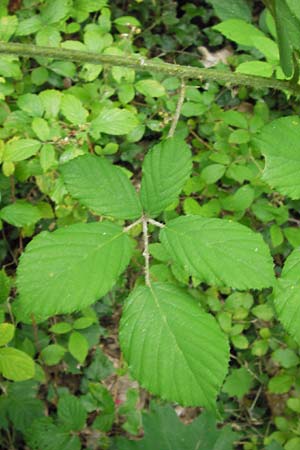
(72, 267)
(279, 142)
(163, 430)
(20, 149)
(280, 384)
(166, 168)
(55, 11)
(219, 252)
(114, 121)
(162, 353)
(78, 346)
(20, 214)
(8, 25)
(23, 407)
(71, 413)
(106, 404)
(41, 128)
(31, 103)
(257, 68)
(72, 109)
(293, 236)
(238, 383)
(101, 187)
(7, 331)
(232, 9)
(100, 368)
(61, 328)
(286, 357)
(5, 286)
(213, 172)
(150, 88)
(51, 100)
(43, 434)
(16, 365)
(287, 295)
(53, 354)
(288, 34)
(239, 31)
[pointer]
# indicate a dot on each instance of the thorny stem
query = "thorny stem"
(143, 64)
(146, 254)
(178, 109)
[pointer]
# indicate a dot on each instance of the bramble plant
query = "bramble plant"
(208, 202)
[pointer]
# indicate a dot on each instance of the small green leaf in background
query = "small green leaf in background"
(15, 364)
(280, 384)
(257, 68)
(71, 413)
(232, 9)
(286, 357)
(166, 168)
(51, 100)
(8, 25)
(41, 128)
(48, 157)
(279, 142)
(101, 187)
(78, 346)
(7, 331)
(238, 383)
(239, 31)
(156, 340)
(72, 109)
(22, 405)
(163, 430)
(61, 328)
(105, 404)
(114, 121)
(44, 434)
(53, 354)
(150, 88)
(293, 236)
(57, 273)
(219, 252)
(31, 103)
(212, 173)
(263, 312)
(100, 368)
(20, 213)
(20, 149)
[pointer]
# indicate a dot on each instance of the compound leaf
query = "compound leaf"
(279, 142)
(166, 168)
(101, 187)
(164, 355)
(71, 268)
(219, 252)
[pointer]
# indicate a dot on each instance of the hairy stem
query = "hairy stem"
(146, 254)
(178, 109)
(156, 223)
(142, 64)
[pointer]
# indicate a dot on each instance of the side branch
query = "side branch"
(142, 64)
